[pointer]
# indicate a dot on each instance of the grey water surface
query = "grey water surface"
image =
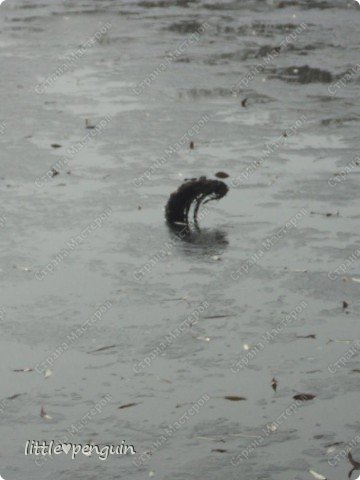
(179, 325)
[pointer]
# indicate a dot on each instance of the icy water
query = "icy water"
(98, 295)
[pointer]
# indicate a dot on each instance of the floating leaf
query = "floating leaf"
(128, 405)
(306, 336)
(14, 396)
(271, 427)
(88, 125)
(335, 444)
(304, 397)
(88, 454)
(22, 269)
(219, 450)
(274, 384)
(330, 449)
(316, 475)
(203, 339)
(339, 341)
(234, 398)
(102, 349)
(221, 175)
(44, 415)
(329, 214)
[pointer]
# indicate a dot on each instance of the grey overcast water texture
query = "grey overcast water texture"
(88, 262)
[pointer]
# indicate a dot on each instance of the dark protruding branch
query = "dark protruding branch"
(194, 191)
